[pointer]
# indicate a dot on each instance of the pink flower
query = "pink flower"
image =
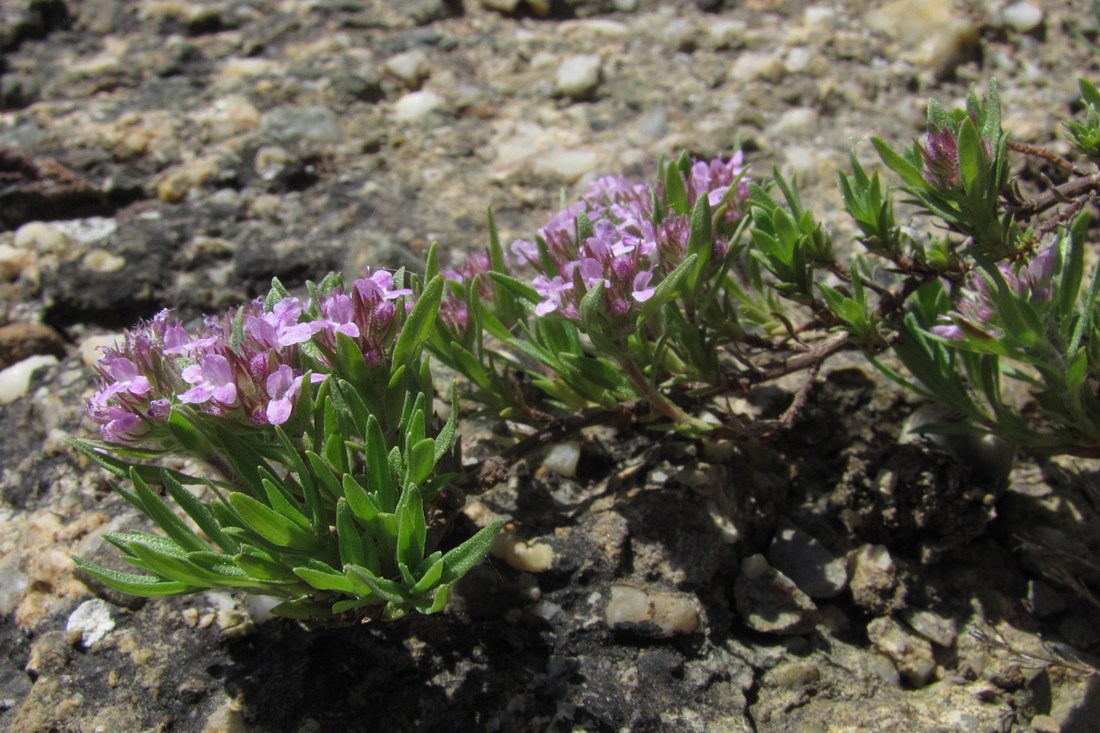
(212, 378)
(282, 387)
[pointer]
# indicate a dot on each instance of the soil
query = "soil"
(164, 153)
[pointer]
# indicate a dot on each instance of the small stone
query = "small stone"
(656, 614)
(874, 580)
(911, 653)
(270, 161)
(932, 626)
(803, 559)
(792, 675)
(578, 76)
(769, 602)
(411, 67)
(566, 165)
(13, 261)
(15, 380)
(40, 237)
(562, 459)
(795, 122)
(234, 622)
(101, 261)
(313, 124)
(176, 182)
(522, 555)
(932, 33)
(416, 105)
(502, 6)
(752, 66)
(90, 622)
(1023, 17)
(19, 341)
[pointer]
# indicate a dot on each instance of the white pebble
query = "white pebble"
(15, 381)
(416, 105)
(562, 459)
(411, 67)
(91, 620)
(1023, 17)
(521, 555)
(578, 76)
(656, 613)
(568, 165)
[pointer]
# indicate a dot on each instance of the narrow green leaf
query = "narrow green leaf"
(430, 578)
(905, 170)
(457, 562)
(359, 501)
(132, 584)
(387, 590)
(411, 527)
(165, 518)
(271, 525)
(323, 580)
(198, 512)
(668, 289)
(380, 480)
(676, 194)
(347, 536)
(418, 325)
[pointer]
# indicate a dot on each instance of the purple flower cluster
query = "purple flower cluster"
(247, 366)
(976, 311)
(629, 249)
(452, 309)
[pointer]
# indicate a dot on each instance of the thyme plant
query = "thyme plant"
(327, 467)
(648, 301)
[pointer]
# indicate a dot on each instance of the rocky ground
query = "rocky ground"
(163, 153)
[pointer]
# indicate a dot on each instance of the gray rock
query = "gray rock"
(911, 653)
(874, 580)
(313, 124)
(802, 558)
(932, 626)
(769, 602)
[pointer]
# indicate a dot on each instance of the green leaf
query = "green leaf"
(186, 434)
(367, 581)
(173, 568)
(421, 460)
(518, 288)
(972, 160)
(325, 580)
(668, 289)
(165, 518)
(676, 194)
(411, 527)
(458, 561)
(938, 118)
(906, 170)
(430, 578)
(347, 535)
(271, 525)
(418, 326)
(380, 480)
(146, 586)
(198, 512)
(279, 499)
(359, 501)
